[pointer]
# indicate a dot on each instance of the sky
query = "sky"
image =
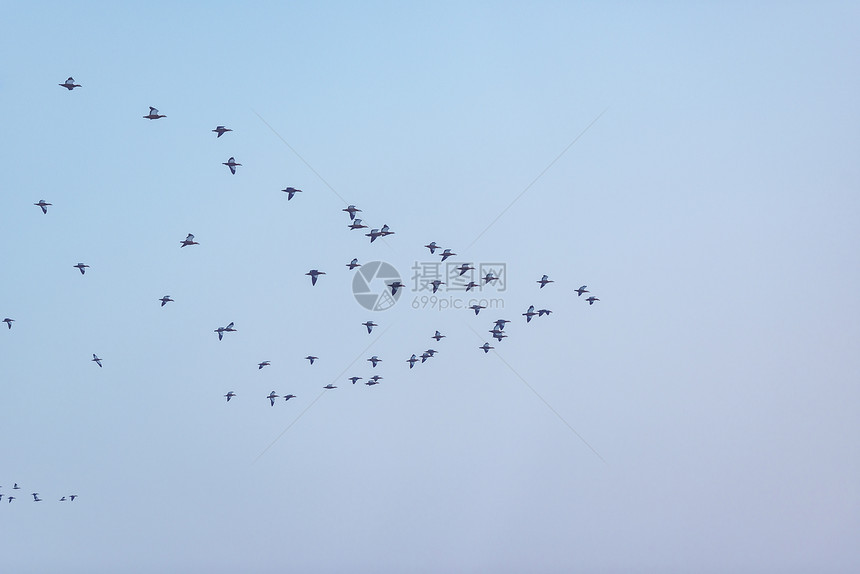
(695, 165)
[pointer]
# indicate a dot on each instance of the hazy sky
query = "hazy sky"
(702, 416)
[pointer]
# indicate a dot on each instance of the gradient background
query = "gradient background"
(713, 208)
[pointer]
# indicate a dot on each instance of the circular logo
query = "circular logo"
(370, 286)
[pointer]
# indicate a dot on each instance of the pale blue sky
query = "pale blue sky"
(713, 208)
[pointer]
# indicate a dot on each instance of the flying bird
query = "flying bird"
(291, 191)
(436, 283)
(263, 364)
(447, 253)
(591, 300)
(330, 386)
(314, 274)
(374, 233)
(311, 358)
(374, 360)
(10, 498)
(370, 325)
(353, 379)
(490, 277)
(221, 330)
(231, 163)
(395, 286)
(438, 336)
(465, 267)
(16, 487)
(96, 360)
(36, 497)
(357, 225)
(486, 347)
(371, 383)
(376, 378)
(431, 352)
(165, 300)
(353, 264)
(70, 84)
(385, 231)
(272, 396)
(542, 312)
(477, 308)
(530, 313)
(500, 323)
(44, 205)
(498, 334)
(188, 241)
(221, 130)
(424, 356)
(72, 497)
(8, 322)
(81, 267)
(544, 280)
(581, 290)
(230, 395)
(351, 210)
(153, 114)
(288, 397)
(432, 247)
(412, 360)
(471, 285)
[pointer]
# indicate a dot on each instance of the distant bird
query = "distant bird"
(370, 325)
(447, 253)
(63, 499)
(10, 498)
(412, 360)
(436, 283)
(353, 264)
(272, 396)
(81, 267)
(8, 322)
(230, 395)
(477, 308)
(530, 313)
(330, 386)
(70, 84)
(486, 347)
(374, 233)
(231, 163)
(263, 364)
(44, 205)
(498, 334)
(221, 330)
(165, 300)
(438, 336)
(374, 360)
(221, 130)
(96, 360)
(153, 114)
(432, 247)
(189, 240)
(581, 290)
(500, 323)
(431, 352)
(490, 277)
(385, 231)
(371, 383)
(357, 225)
(591, 300)
(16, 487)
(395, 286)
(288, 397)
(353, 379)
(376, 378)
(314, 274)
(351, 210)
(471, 285)
(36, 497)
(465, 267)
(542, 312)
(291, 191)
(72, 497)
(544, 280)
(311, 358)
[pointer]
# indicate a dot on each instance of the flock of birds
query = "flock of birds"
(10, 497)
(497, 331)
